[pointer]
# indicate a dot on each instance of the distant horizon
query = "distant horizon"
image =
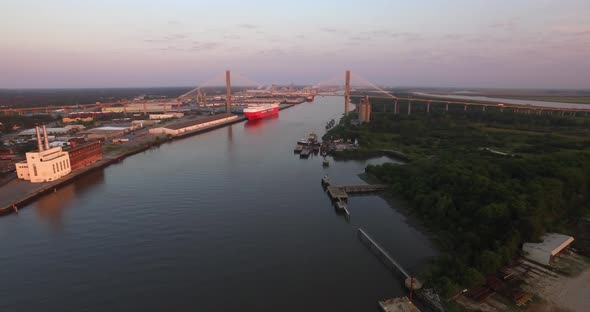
(301, 85)
(521, 44)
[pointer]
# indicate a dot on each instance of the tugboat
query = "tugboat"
(312, 138)
(326, 181)
(305, 152)
(330, 124)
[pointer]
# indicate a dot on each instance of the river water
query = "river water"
(229, 220)
(506, 101)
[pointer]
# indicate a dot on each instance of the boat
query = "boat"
(330, 124)
(309, 98)
(312, 138)
(261, 111)
(326, 181)
(298, 149)
(305, 152)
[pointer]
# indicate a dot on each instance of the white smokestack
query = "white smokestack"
(45, 136)
(39, 145)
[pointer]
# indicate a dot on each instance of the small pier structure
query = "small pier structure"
(426, 296)
(341, 192)
(389, 261)
(363, 188)
(337, 193)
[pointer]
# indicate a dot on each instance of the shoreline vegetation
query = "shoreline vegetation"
(482, 183)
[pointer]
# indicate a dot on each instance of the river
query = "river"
(506, 101)
(228, 220)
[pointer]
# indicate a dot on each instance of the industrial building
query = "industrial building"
(84, 155)
(77, 119)
(192, 125)
(46, 165)
(545, 251)
(104, 133)
(54, 131)
(145, 107)
(144, 123)
(166, 116)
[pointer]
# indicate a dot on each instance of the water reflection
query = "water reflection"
(52, 207)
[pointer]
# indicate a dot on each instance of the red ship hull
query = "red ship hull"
(262, 113)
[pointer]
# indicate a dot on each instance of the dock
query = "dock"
(426, 296)
(363, 188)
(341, 192)
(336, 193)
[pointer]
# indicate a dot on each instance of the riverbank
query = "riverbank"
(17, 193)
(467, 196)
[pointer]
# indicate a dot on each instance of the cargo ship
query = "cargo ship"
(261, 111)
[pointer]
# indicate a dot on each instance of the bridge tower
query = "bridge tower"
(347, 93)
(227, 92)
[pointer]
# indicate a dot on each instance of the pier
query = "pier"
(382, 254)
(340, 192)
(336, 193)
(363, 188)
(426, 296)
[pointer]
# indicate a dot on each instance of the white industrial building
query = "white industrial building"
(193, 125)
(46, 165)
(549, 248)
(166, 115)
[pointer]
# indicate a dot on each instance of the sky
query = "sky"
(434, 43)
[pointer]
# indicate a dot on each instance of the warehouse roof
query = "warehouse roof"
(188, 123)
(100, 129)
(49, 130)
(552, 243)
